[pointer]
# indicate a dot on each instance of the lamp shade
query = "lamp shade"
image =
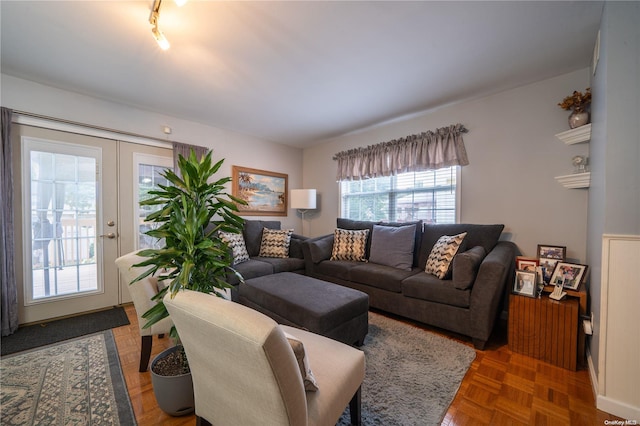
(303, 198)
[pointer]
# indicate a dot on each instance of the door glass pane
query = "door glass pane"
(149, 177)
(63, 224)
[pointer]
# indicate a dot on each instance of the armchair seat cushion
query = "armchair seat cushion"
(427, 287)
(335, 384)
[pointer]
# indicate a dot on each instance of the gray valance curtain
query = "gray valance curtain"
(430, 150)
(184, 150)
(8, 289)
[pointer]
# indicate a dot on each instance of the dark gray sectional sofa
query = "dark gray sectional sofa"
(466, 302)
(258, 266)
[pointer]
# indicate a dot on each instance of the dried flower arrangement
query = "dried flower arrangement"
(577, 102)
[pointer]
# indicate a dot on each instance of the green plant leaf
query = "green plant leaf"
(193, 257)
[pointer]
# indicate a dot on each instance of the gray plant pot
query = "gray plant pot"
(173, 393)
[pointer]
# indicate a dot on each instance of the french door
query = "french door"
(77, 213)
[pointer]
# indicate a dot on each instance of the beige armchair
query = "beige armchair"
(245, 371)
(141, 292)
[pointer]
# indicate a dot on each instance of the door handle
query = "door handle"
(110, 235)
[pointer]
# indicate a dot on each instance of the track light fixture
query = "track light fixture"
(153, 20)
(154, 17)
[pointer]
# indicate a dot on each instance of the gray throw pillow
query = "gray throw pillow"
(465, 267)
(393, 246)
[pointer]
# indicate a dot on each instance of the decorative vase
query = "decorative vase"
(173, 393)
(577, 119)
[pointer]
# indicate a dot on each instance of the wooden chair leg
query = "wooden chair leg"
(145, 353)
(355, 408)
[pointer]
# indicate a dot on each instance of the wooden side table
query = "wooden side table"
(547, 329)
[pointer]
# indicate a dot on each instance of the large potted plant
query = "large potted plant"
(192, 212)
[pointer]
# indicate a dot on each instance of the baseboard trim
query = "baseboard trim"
(620, 409)
(592, 374)
(606, 404)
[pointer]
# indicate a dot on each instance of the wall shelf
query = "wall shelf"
(577, 135)
(575, 180)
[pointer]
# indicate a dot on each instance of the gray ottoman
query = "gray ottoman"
(331, 310)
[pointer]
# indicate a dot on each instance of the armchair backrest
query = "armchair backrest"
(244, 370)
(141, 292)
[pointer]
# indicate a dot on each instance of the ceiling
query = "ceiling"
(295, 72)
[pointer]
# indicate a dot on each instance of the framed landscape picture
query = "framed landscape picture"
(265, 192)
(525, 284)
(570, 275)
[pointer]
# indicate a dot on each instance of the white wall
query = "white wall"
(237, 149)
(514, 157)
(614, 208)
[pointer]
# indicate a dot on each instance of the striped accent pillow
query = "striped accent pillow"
(349, 245)
(442, 254)
(275, 242)
(237, 246)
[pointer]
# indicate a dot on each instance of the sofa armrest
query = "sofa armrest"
(316, 250)
(496, 271)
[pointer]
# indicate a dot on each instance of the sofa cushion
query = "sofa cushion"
(393, 246)
(380, 276)
(477, 235)
(442, 254)
(340, 269)
(275, 243)
(252, 232)
(237, 246)
(320, 248)
(349, 245)
(427, 287)
(465, 267)
(355, 225)
(287, 264)
(310, 383)
(250, 269)
(295, 248)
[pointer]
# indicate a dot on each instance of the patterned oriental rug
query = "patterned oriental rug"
(412, 375)
(76, 382)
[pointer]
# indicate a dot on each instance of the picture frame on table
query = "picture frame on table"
(548, 251)
(264, 192)
(525, 284)
(527, 263)
(548, 266)
(571, 275)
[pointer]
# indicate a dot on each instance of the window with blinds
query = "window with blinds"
(430, 196)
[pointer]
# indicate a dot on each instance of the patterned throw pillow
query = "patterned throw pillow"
(442, 254)
(349, 244)
(310, 383)
(275, 242)
(237, 246)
